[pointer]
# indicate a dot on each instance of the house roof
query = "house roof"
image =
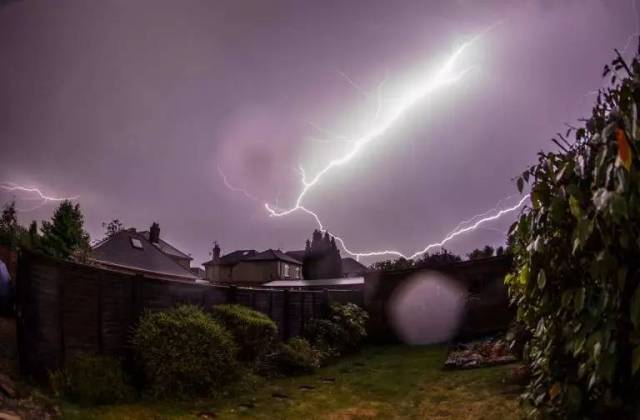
(252, 255)
(273, 254)
(130, 250)
(297, 255)
(234, 257)
(166, 247)
(350, 265)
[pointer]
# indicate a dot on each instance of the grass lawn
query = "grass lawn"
(380, 382)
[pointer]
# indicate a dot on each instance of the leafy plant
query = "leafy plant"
(254, 332)
(184, 352)
(92, 379)
(577, 254)
(341, 333)
(295, 357)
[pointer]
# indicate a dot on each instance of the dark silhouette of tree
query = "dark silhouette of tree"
(13, 235)
(435, 259)
(9, 226)
(64, 236)
(477, 254)
(321, 257)
(112, 227)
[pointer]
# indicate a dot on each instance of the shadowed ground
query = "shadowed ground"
(380, 382)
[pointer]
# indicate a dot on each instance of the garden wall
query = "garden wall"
(487, 305)
(65, 308)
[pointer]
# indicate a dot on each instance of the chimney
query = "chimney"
(216, 252)
(154, 233)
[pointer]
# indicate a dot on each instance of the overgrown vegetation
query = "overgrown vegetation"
(435, 259)
(254, 332)
(92, 379)
(341, 333)
(577, 255)
(184, 352)
(295, 357)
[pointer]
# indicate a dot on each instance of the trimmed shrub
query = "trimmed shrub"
(92, 379)
(254, 332)
(184, 352)
(342, 333)
(296, 357)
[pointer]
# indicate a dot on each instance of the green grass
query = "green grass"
(380, 382)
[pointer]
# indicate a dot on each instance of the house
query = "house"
(350, 266)
(133, 252)
(248, 266)
(153, 236)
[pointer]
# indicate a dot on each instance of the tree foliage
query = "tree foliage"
(321, 257)
(577, 254)
(478, 253)
(112, 227)
(12, 234)
(427, 260)
(64, 236)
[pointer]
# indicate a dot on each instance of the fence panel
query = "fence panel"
(67, 308)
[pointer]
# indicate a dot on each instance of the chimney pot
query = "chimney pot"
(154, 233)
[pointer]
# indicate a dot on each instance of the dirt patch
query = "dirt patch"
(359, 412)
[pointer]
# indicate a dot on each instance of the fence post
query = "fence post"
(99, 308)
(231, 294)
(285, 314)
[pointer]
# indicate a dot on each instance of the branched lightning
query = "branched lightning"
(445, 76)
(39, 195)
(234, 188)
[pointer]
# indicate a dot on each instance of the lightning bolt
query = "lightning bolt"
(234, 188)
(446, 76)
(39, 195)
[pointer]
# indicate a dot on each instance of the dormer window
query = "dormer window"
(136, 243)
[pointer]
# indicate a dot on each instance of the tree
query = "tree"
(112, 227)
(427, 260)
(477, 254)
(322, 257)
(9, 226)
(576, 281)
(392, 265)
(64, 235)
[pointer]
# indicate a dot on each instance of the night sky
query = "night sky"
(132, 106)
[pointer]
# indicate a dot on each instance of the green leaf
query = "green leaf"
(574, 205)
(542, 279)
(520, 183)
(524, 275)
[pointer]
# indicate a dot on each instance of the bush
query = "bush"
(92, 379)
(576, 253)
(295, 357)
(342, 333)
(184, 352)
(254, 332)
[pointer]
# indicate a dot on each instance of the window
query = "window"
(285, 270)
(135, 242)
(297, 271)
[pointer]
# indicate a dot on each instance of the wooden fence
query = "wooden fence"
(66, 308)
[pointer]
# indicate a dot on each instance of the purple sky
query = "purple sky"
(132, 105)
